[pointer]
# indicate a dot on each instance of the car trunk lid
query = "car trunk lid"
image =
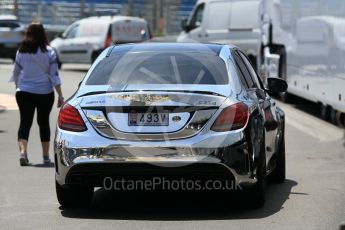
(147, 115)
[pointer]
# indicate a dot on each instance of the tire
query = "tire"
(333, 116)
(278, 176)
(325, 112)
(341, 119)
(74, 198)
(256, 195)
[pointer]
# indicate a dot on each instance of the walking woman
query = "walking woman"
(35, 75)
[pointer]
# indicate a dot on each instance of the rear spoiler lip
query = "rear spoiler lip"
(143, 109)
(168, 91)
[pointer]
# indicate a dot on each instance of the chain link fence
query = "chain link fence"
(164, 16)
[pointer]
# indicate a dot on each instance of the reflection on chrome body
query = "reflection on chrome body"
(140, 98)
(198, 133)
(220, 149)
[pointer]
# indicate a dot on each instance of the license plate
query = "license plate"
(148, 119)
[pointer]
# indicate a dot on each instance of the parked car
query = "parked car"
(170, 109)
(85, 39)
(11, 35)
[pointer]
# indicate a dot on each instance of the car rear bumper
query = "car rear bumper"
(218, 156)
(98, 175)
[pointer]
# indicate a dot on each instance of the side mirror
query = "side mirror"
(184, 25)
(276, 85)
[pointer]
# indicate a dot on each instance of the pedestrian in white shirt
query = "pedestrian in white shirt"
(35, 75)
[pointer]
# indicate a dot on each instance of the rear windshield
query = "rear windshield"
(160, 68)
(129, 31)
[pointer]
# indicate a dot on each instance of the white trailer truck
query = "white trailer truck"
(308, 39)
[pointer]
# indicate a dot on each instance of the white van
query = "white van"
(310, 50)
(225, 21)
(85, 39)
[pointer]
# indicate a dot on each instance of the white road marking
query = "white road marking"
(311, 125)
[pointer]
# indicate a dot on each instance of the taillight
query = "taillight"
(232, 118)
(70, 119)
(108, 41)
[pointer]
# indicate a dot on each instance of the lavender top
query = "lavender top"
(31, 72)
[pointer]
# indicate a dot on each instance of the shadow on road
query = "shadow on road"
(81, 70)
(51, 165)
(179, 206)
(308, 107)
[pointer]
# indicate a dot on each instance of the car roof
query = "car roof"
(112, 19)
(211, 49)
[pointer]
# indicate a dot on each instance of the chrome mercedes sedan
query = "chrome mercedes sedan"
(162, 113)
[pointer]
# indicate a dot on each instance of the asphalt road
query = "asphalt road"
(313, 196)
